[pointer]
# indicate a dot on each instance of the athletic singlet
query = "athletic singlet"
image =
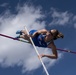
(39, 40)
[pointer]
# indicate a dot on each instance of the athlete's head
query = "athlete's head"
(56, 34)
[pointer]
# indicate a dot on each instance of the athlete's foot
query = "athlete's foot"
(19, 32)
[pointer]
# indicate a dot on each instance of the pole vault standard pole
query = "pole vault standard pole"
(37, 53)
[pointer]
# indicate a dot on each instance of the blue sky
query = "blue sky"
(18, 58)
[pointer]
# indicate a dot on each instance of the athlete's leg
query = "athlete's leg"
(25, 36)
(21, 32)
(24, 32)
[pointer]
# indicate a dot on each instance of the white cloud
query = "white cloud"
(60, 18)
(16, 53)
(74, 20)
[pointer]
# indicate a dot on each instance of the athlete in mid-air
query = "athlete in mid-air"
(42, 38)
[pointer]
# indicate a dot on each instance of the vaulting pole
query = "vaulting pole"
(37, 53)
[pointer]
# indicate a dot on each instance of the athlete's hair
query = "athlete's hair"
(56, 34)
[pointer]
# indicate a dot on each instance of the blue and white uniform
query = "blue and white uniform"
(39, 40)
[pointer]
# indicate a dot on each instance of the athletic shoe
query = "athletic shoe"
(19, 32)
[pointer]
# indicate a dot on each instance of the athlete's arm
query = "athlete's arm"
(54, 55)
(43, 31)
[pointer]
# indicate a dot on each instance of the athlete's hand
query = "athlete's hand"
(41, 55)
(30, 36)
